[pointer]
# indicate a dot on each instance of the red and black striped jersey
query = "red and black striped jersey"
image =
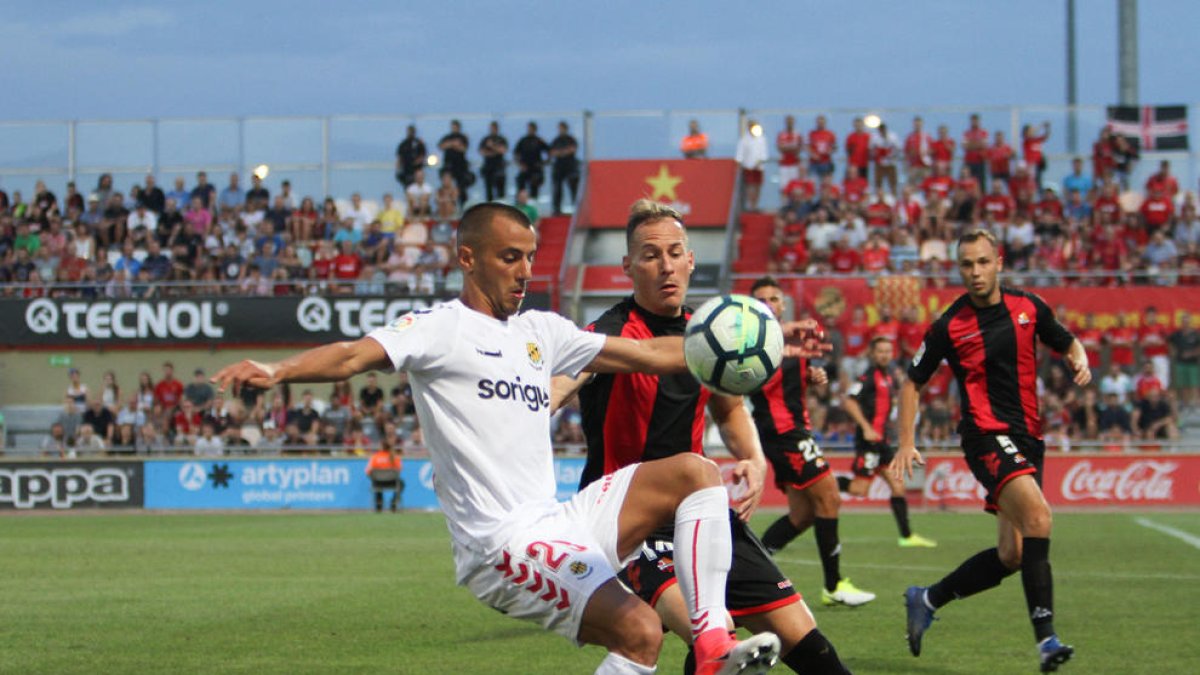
(635, 417)
(873, 393)
(993, 354)
(779, 411)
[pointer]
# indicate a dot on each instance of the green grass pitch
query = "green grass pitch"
(366, 593)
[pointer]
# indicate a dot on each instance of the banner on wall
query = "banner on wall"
(1141, 480)
(258, 484)
(310, 319)
(700, 189)
(70, 485)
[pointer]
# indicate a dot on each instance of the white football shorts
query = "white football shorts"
(548, 570)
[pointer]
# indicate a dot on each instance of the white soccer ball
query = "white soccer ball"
(733, 344)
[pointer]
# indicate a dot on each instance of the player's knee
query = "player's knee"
(829, 504)
(1037, 522)
(1009, 554)
(638, 635)
(858, 487)
(697, 472)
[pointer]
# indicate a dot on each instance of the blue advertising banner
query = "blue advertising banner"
(298, 483)
(258, 484)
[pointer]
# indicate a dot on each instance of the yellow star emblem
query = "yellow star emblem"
(664, 184)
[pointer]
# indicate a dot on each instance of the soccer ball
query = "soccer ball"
(733, 344)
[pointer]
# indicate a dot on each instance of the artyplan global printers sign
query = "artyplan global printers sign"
(203, 320)
(254, 484)
(70, 485)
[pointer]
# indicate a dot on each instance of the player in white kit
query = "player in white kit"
(480, 374)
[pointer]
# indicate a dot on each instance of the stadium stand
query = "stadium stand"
(1095, 231)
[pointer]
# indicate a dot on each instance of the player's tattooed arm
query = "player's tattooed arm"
(329, 363)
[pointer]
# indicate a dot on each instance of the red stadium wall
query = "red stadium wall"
(1082, 480)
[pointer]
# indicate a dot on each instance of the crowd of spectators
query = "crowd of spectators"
(246, 241)
(898, 205)
(1144, 379)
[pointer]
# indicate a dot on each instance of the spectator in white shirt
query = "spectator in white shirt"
(751, 155)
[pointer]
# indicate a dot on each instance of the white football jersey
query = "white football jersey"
(481, 387)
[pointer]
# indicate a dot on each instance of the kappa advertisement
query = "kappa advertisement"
(70, 485)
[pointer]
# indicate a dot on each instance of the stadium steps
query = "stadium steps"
(552, 244)
(754, 243)
(26, 425)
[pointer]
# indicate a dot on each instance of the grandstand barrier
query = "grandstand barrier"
(1084, 480)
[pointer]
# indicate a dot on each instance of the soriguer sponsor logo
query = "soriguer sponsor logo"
(63, 487)
(1140, 480)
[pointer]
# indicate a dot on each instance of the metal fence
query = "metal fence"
(339, 154)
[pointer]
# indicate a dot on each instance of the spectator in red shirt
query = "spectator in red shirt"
(997, 204)
(1163, 182)
(942, 148)
(854, 188)
(1157, 211)
(911, 333)
(879, 213)
(185, 423)
(1107, 208)
(1048, 212)
(910, 208)
(789, 143)
(1092, 340)
(1121, 339)
(822, 143)
(888, 327)
(876, 254)
(975, 147)
(938, 185)
(843, 258)
(917, 153)
(322, 264)
(858, 149)
(169, 390)
(801, 188)
(968, 182)
(1023, 189)
(347, 266)
(791, 256)
(1103, 159)
(1109, 251)
(885, 150)
(1146, 381)
(1031, 149)
(999, 157)
(1152, 338)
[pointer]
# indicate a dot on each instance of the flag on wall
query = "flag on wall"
(1162, 127)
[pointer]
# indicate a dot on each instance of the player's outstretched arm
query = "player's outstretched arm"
(329, 363)
(1078, 362)
(906, 450)
(656, 356)
(740, 436)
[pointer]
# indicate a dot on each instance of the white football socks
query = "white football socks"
(703, 556)
(615, 664)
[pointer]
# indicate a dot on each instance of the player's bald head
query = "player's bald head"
(475, 227)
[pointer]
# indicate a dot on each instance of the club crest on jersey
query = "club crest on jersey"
(1023, 319)
(535, 354)
(580, 569)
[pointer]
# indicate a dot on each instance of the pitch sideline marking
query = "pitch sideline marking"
(1185, 537)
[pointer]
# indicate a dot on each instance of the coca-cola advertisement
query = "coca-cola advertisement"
(1074, 480)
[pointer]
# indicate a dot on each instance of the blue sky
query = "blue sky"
(87, 60)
